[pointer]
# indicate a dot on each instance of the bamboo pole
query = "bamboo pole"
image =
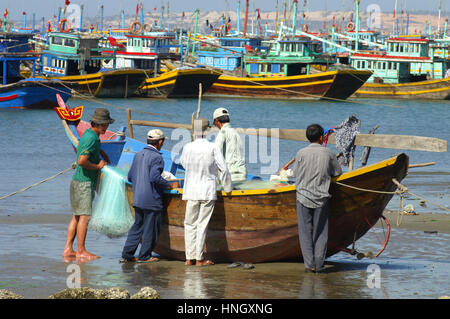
(130, 126)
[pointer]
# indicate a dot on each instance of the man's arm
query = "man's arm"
(156, 169)
(225, 177)
(83, 161)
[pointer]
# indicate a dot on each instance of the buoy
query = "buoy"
(147, 27)
(350, 26)
(133, 28)
(66, 24)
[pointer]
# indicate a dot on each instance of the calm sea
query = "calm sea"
(34, 147)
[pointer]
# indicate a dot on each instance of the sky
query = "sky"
(47, 8)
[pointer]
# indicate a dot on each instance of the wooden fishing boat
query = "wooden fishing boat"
(338, 84)
(179, 83)
(429, 89)
(105, 83)
(260, 225)
(76, 59)
(409, 69)
(32, 94)
(286, 69)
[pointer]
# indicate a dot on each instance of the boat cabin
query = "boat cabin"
(71, 54)
(14, 49)
(228, 55)
(287, 58)
(142, 51)
(405, 60)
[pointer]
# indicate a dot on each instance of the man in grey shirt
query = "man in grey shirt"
(313, 168)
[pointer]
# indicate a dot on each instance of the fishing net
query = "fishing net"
(111, 214)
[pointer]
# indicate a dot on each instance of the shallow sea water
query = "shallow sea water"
(34, 147)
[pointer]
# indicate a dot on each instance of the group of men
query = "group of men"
(204, 162)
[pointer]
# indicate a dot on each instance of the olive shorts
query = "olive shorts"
(81, 197)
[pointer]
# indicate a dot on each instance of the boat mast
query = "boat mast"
(439, 18)
(357, 26)
(246, 18)
(276, 18)
(294, 19)
(238, 22)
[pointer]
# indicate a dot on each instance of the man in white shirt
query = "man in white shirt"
(229, 143)
(202, 161)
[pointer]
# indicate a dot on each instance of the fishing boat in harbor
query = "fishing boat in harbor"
(146, 50)
(16, 92)
(259, 224)
(76, 59)
(409, 69)
(291, 69)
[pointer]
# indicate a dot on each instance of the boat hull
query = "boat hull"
(179, 83)
(108, 84)
(32, 94)
(263, 227)
(339, 84)
(432, 89)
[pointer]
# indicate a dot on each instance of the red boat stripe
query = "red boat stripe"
(8, 98)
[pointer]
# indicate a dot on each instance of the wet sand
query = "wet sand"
(31, 265)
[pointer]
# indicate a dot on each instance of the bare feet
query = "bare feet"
(190, 262)
(86, 254)
(204, 263)
(68, 252)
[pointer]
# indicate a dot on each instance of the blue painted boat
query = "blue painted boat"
(32, 93)
(16, 92)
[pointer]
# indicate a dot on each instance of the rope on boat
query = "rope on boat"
(95, 100)
(402, 190)
(73, 166)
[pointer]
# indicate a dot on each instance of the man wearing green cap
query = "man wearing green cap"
(84, 183)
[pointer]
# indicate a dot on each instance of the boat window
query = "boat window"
(57, 40)
(395, 66)
(269, 68)
(401, 48)
(369, 64)
(69, 43)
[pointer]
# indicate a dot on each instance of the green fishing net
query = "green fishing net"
(111, 214)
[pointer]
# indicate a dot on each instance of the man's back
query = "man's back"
(229, 142)
(145, 176)
(313, 169)
(202, 160)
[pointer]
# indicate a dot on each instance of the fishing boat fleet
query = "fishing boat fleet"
(44, 69)
(290, 62)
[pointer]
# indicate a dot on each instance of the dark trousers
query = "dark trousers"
(147, 225)
(313, 234)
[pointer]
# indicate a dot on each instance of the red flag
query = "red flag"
(5, 13)
(182, 15)
(114, 43)
(24, 13)
(67, 2)
(137, 8)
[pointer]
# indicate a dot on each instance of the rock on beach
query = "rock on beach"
(112, 293)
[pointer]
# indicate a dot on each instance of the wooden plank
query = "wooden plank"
(160, 124)
(407, 142)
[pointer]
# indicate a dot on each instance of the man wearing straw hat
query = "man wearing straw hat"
(148, 186)
(202, 161)
(84, 183)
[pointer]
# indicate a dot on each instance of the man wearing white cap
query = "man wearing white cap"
(230, 144)
(148, 187)
(202, 160)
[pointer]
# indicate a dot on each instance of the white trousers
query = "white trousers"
(196, 219)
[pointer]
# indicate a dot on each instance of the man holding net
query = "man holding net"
(84, 183)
